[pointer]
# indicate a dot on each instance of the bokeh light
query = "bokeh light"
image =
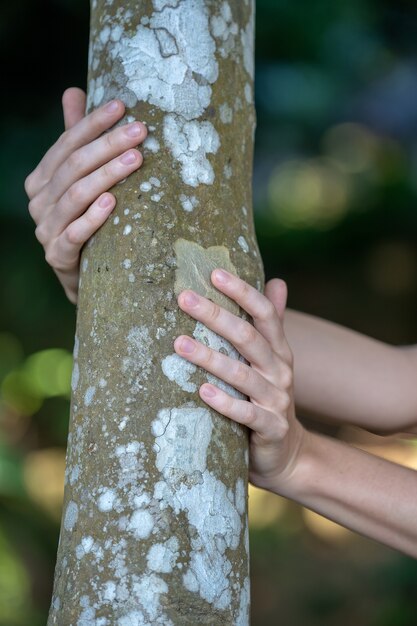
(352, 147)
(308, 194)
(44, 479)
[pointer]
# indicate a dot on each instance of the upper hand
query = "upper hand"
(276, 435)
(67, 190)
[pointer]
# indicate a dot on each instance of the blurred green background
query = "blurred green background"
(335, 193)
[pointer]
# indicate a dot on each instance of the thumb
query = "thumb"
(73, 105)
(276, 291)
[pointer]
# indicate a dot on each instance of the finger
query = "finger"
(73, 105)
(66, 248)
(276, 291)
(86, 130)
(90, 157)
(83, 193)
(246, 339)
(244, 378)
(263, 312)
(263, 422)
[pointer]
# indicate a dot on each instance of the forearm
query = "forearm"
(367, 494)
(343, 376)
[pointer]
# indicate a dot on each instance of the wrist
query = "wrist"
(296, 481)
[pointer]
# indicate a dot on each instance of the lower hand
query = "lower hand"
(68, 189)
(276, 436)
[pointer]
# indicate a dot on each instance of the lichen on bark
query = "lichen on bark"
(155, 524)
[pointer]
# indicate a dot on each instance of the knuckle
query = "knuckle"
(73, 236)
(244, 290)
(75, 193)
(208, 357)
(247, 334)
(108, 140)
(214, 312)
(249, 415)
(283, 427)
(284, 402)
(241, 374)
(107, 172)
(267, 311)
(41, 234)
(29, 184)
(51, 258)
(286, 376)
(76, 161)
(64, 138)
(33, 208)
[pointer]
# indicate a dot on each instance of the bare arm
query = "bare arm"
(367, 494)
(343, 376)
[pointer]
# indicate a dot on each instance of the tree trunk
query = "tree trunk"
(154, 527)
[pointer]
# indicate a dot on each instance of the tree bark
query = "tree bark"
(154, 527)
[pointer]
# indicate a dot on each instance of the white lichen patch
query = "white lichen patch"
(179, 371)
(228, 171)
(216, 342)
(170, 62)
(145, 186)
(182, 438)
(189, 143)
(75, 377)
(244, 604)
(138, 361)
(246, 38)
(243, 243)
(127, 229)
(155, 182)
(89, 395)
(151, 144)
(162, 557)
(248, 93)
(88, 546)
(116, 220)
(71, 515)
(224, 28)
(188, 202)
(226, 113)
(106, 500)
(127, 264)
(240, 496)
(141, 523)
(123, 422)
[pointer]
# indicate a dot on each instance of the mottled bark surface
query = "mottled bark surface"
(154, 527)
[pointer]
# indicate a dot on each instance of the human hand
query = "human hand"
(276, 436)
(68, 188)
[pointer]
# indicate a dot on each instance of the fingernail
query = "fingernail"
(190, 298)
(133, 130)
(221, 276)
(105, 201)
(207, 391)
(128, 158)
(112, 106)
(187, 345)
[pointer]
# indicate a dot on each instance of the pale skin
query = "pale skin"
(340, 376)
